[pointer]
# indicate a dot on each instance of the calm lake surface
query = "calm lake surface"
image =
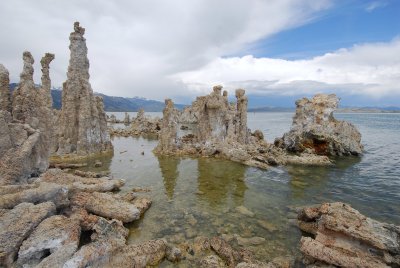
(193, 197)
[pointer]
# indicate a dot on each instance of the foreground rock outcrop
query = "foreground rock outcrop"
(17, 224)
(343, 237)
(57, 233)
(82, 122)
(31, 235)
(107, 205)
(34, 193)
(315, 129)
(25, 123)
(212, 126)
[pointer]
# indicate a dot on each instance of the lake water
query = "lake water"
(193, 197)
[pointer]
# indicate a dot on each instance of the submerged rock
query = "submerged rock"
(83, 124)
(225, 251)
(212, 261)
(17, 224)
(314, 128)
(244, 211)
(346, 238)
(252, 241)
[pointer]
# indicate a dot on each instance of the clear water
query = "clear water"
(194, 197)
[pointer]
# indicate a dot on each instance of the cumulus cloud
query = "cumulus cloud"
(368, 69)
(135, 46)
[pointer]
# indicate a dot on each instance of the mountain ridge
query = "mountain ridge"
(134, 104)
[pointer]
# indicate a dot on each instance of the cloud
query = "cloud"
(368, 69)
(375, 5)
(134, 46)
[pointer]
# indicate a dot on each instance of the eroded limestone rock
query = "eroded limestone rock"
(140, 125)
(17, 224)
(36, 193)
(5, 100)
(218, 126)
(19, 159)
(57, 233)
(83, 124)
(346, 238)
(127, 119)
(77, 183)
(149, 253)
(219, 129)
(168, 133)
(26, 127)
(106, 205)
(314, 128)
(108, 236)
(225, 251)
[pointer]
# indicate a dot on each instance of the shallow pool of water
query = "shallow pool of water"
(206, 196)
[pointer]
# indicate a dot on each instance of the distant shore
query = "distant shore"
(340, 110)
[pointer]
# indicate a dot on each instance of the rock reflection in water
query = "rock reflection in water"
(218, 180)
(105, 160)
(305, 179)
(169, 170)
(308, 183)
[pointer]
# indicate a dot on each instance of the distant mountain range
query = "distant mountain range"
(121, 104)
(115, 104)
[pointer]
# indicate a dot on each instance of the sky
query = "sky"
(278, 50)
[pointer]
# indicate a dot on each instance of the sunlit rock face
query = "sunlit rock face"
(315, 129)
(26, 123)
(83, 125)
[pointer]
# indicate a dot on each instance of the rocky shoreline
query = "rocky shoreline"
(53, 218)
(63, 220)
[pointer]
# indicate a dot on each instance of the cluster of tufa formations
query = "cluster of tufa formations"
(214, 127)
(45, 214)
(50, 218)
(140, 125)
(26, 119)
